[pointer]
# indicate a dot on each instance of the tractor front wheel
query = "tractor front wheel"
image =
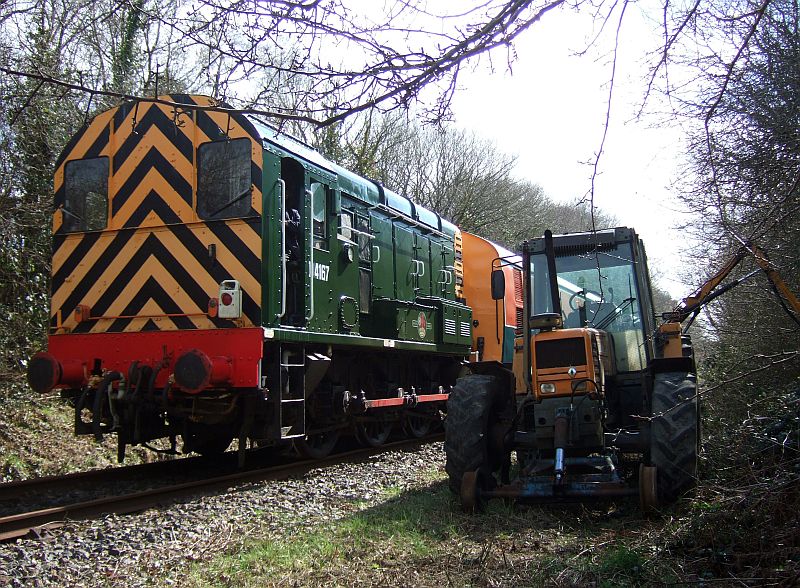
(470, 409)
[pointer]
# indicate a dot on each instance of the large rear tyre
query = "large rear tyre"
(674, 433)
(467, 428)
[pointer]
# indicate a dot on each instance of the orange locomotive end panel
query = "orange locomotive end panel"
(139, 244)
(495, 321)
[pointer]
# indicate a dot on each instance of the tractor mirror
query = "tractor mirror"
(498, 284)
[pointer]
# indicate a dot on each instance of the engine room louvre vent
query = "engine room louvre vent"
(560, 353)
(518, 296)
(458, 264)
(466, 330)
(450, 326)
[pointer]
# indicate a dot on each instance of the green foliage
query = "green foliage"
(746, 160)
(124, 59)
(35, 124)
(37, 119)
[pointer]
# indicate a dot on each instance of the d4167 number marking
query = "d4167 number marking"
(321, 272)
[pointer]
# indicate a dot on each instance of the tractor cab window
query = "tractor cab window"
(224, 179)
(597, 289)
(85, 195)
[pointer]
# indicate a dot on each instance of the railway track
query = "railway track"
(26, 522)
(23, 489)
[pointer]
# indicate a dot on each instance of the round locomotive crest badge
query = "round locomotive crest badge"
(422, 325)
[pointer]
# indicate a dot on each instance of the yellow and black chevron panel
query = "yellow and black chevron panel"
(154, 263)
(458, 264)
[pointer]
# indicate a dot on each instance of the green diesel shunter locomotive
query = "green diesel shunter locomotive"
(214, 278)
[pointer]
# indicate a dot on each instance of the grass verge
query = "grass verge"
(421, 538)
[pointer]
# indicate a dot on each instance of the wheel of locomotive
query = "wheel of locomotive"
(318, 445)
(467, 429)
(373, 433)
(417, 424)
(674, 434)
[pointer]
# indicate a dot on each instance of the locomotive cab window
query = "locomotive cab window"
(85, 195)
(346, 225)
(364, 243)
(224, 179)
(319, 207)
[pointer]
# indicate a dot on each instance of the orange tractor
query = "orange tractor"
(599, 399)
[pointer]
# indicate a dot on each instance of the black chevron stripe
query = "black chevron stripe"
(149, 326)
(152, 203)
(122, 113)
(236, 246)
(214, 132)
(182, 98)
(152, 290)
(153, 159)
(58, 197)
(99, 144)
(81, 289)
(154, 117)
(87, 242)
(83, 327)
(255, 174)
(209, 127)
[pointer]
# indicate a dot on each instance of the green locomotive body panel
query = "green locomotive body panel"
(362, 265)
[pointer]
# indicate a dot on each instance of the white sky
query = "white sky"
(550, 112)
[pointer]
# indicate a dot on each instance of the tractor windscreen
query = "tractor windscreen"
(597, 288)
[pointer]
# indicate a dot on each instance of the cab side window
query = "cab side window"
(319, 205)
(85, 195)
(224, 179)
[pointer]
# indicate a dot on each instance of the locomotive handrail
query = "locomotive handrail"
(357, 232)
(282, 184)
(376, 257)
(310, 247)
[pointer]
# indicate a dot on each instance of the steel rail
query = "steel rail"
(25, 488)
(19, 525)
